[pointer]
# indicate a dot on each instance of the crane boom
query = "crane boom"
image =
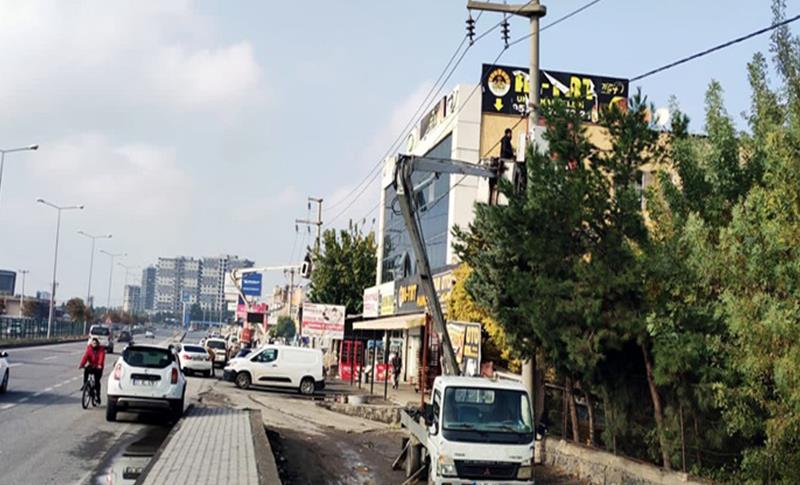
(405, 166)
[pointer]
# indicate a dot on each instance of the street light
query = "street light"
(55, 258)
(91, 266)
(12, 150)
(111, 273)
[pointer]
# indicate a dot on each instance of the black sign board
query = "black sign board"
(505, 90)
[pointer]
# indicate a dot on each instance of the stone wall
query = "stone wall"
(602, 468)
(384, 413)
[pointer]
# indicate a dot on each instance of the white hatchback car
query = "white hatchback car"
(146, 378)
(194, 358)
(5, 374)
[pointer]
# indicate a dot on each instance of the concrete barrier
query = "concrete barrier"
(383, 413)
(599, 467)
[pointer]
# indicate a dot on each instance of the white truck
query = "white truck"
(474, 431)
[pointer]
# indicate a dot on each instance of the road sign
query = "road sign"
(251, 284)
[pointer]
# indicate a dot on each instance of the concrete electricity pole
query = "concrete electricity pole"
(113, 256)
(533, 11)
(317, 223)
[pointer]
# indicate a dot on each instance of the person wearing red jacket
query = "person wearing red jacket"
(93, 361)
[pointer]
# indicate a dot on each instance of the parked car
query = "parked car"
(103, 334)
(125, 337)
(149, 334)
(146, 378)
(219, 349)
(278, 366)
(194, 358)
(5, 372)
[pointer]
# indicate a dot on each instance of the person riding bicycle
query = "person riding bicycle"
(93, 361)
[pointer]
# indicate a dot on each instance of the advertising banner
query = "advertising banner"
(387, 300)
(410, 297)
(323, 321)
(372, 298)
(505, 90)
(466, 340)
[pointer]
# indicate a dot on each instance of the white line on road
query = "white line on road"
(24, 399)
(49, 389)
(7, 406)
(15, 364)
(51, 357)
(59, 385)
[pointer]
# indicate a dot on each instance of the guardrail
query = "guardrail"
(14, 328)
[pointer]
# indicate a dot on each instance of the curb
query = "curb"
(265, 461)
(157, 454)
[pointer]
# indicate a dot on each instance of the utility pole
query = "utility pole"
(317, 222)
(23, 272)
(533, 381)
(291, 291)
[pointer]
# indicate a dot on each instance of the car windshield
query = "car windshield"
(194, 349)
(216, 344)
(495, 410)
(101, 331)
(147, 357)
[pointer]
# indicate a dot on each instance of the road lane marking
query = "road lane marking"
(24, 399)
(59, 385)
(51, 357)
(7, 406)
(49, 389)
(15, 364)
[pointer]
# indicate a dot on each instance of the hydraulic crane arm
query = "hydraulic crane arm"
(406, 165)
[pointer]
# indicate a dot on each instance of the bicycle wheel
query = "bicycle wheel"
(95, 397)
(88, 392)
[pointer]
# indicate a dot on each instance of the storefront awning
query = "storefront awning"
(397, 322)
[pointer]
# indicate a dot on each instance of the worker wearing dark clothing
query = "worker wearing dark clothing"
(506, 149)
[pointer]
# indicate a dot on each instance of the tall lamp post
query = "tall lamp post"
(23, 272)
(91, 268)
(113, 256)
(58, 209)
(12, 150)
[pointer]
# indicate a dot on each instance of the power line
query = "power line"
(716, 48)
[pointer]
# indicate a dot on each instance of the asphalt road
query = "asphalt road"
(45, 434)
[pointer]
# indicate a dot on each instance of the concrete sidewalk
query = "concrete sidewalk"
(212, 446)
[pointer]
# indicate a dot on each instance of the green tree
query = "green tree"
(77, 310)
(285, 327)
(35, 309)
(195, 312)
(343, 268)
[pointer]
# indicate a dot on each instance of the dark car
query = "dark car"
(125, 337)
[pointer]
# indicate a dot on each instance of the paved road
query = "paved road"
(45, 435)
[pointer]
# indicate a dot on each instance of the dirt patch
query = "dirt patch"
(336, 457)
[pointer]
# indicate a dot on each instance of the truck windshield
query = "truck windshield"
(486, 411)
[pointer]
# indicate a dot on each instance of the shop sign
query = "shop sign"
(443, 108)
(411, 298)
(505, 90)
(386, 293)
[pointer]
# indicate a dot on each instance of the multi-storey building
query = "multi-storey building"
(212, 282)
(132, 301)
(149, 288)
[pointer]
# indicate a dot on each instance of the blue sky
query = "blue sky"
(199, 127)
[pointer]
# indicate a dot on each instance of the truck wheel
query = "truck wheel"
(243, 380)
(413, 458)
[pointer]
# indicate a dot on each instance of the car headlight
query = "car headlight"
(524, 472)
(446, 466)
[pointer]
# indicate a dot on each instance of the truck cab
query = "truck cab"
(479, 430)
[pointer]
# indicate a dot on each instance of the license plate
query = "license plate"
(139, 382)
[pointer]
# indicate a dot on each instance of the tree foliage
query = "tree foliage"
(285, 327)
(77, 310)
(344, 266)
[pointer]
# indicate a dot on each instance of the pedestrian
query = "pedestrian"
(506, 149)
(397, 367)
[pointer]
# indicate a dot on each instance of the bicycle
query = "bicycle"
(90, 393)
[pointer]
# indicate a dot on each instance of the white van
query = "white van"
(278, 366)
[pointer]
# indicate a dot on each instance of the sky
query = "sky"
(200, 127)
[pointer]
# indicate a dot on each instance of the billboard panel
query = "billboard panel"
(372, 298)
(323, 321)
(8, 280)
(505, 90)
(251, 284)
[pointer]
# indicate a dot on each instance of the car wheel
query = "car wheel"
(307, 386)
(4, 385)
(243, 380)
(111, 411)
(177, 409)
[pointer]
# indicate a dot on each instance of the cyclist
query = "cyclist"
(93, 361)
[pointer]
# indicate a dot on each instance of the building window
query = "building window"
(433, 204)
